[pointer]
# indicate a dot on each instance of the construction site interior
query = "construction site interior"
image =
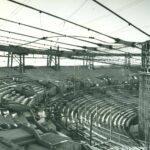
(91, 97)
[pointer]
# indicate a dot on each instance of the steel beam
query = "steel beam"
(61, 53)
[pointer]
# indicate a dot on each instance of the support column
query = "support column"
(20, 63)
(54, 59)
(84, 60)
(12, 59)
(127, 61)
(8, 60)
(89, 62)
(50, 60)
(92, 63)
(47, 60)
(58, 59)
(23, 65)
(55, 62)
(58, 62)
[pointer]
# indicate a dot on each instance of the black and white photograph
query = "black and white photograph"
(74, 74)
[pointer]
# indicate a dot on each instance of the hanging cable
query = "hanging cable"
(70, 49)
(52, 15)
(32, 41)
(98, 44)
(30, 36)
(16, 44)
(83, 47)
(41, 22)
(129, 5)
(76, 24)
(65, 48)
(18, 39)
(129, 23)
(94, 49)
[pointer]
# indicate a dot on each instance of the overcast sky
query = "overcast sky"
(84, 12)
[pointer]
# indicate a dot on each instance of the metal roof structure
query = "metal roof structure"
(109, 28)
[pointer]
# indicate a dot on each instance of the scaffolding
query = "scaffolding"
(128, 60)
(88, 61)
(19, 58)
(53, 61)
